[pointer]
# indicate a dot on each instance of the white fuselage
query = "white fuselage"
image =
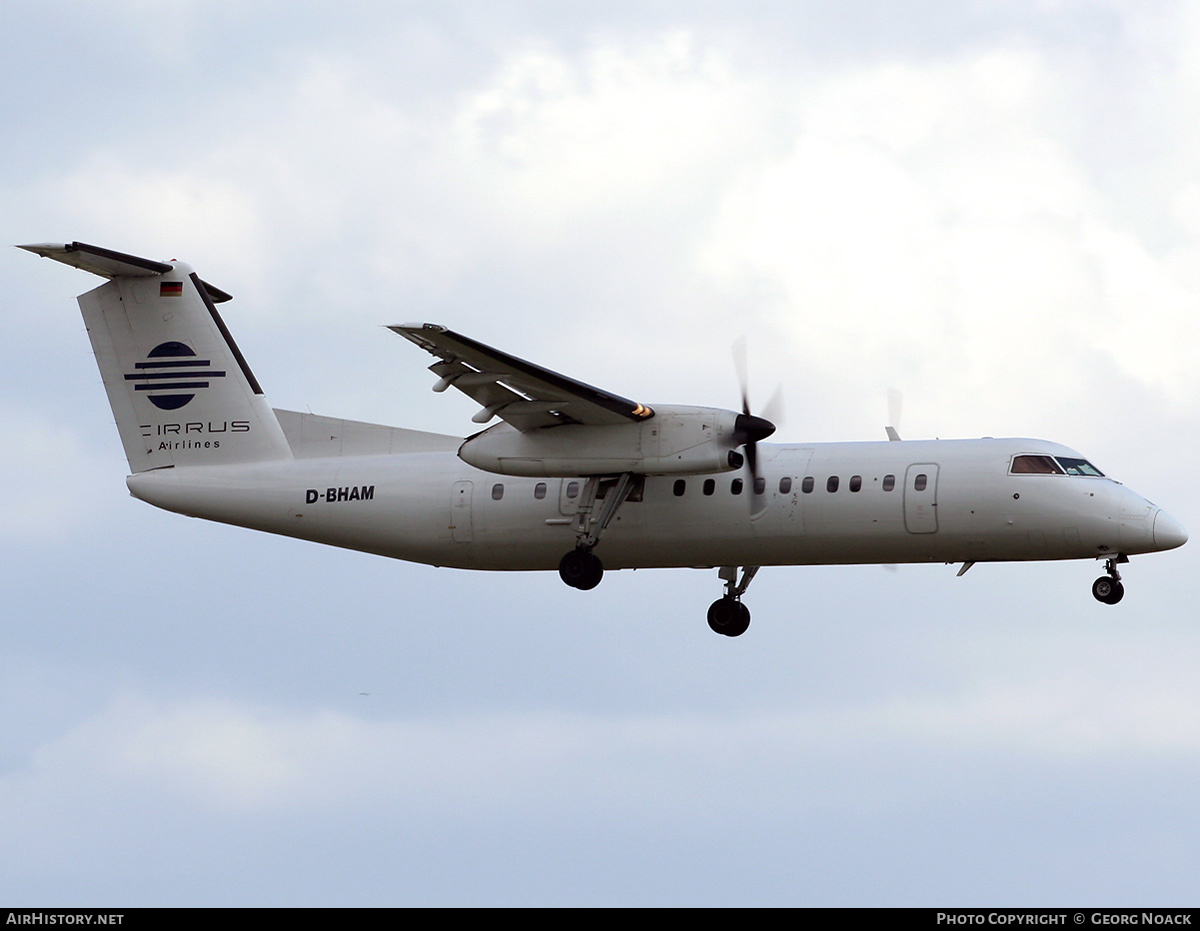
(433, 508)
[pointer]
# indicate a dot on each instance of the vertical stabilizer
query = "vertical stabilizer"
(180, 390)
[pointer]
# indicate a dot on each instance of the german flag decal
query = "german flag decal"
(170, 289)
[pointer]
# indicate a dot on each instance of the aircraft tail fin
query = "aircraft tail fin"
(179, 387)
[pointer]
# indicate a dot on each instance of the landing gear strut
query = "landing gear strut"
(580, 568)
(727, 615)
(1108, 588)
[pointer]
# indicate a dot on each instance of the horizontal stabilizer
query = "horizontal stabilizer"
(109, 264)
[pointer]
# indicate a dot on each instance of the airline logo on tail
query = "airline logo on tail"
(171, 375)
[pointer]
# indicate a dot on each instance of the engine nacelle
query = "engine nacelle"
(675, 441)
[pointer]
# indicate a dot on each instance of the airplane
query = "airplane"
(571, 473)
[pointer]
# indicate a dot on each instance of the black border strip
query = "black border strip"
(605, 399)
(198, 373)
(218, 296)
(149, 264)
(229, 341)
(181, 364)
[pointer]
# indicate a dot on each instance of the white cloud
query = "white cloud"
(625, 127)
(224, 756)
(53, 470)
(930, 228)
(196, 207)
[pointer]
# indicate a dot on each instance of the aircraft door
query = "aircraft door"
(920, 498)
(460, 512)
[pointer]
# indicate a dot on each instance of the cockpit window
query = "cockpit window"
(1036, 465)
(1079, 467)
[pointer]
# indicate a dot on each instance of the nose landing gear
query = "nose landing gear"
(1108, 588)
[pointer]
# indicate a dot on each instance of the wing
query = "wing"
(524, 395)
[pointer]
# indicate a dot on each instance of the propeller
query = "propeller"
(748, 428)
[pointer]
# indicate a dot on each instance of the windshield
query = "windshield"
(1079, 467)
(1051, 465)
(1035, 465)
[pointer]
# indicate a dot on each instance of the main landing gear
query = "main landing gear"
(1108, 588)
(581, 568)
(727, 615)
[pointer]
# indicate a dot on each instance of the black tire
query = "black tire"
(581, 569)
(742, 622)
(1108, 590)
(728, 617)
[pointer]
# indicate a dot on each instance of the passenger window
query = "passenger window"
(497, 492)
(1035, 465)
(889, 482)
(831, 484)
(760, 486)
(856, 483)
(572, 489)
(808, 484)
(735, 487)
(785, 485)
(539, 490)
(680, 487)
(920, 482)
(709, 486)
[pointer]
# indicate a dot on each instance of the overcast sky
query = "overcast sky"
(993, 207)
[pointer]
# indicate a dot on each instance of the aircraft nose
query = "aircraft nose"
(1168, 532)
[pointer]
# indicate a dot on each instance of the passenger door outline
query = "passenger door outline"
(920, 507)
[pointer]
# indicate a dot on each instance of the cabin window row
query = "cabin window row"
(709, 487)
(855, 484)
(539, 490)
(807, 485)
(571, 492)
(737, 486)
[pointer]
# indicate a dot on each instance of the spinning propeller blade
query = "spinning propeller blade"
(748, 429)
